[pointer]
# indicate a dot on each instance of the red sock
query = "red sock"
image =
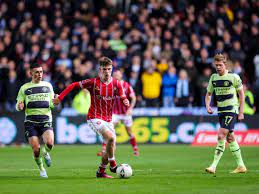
(102, 168)
(133, 142)
(104, 147)
(112, 163)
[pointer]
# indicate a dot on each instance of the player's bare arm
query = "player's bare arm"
(65, 92)
(241, 104)
(56, 101)
(133, 100)
(20, 105)
(207, 102)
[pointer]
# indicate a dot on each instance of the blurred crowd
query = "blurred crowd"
(164, 48)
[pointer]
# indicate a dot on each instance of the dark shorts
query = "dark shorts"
(227, 120)
(36, 129)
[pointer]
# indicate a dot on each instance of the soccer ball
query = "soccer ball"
(124, 171)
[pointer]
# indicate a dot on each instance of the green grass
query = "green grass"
(159, 169)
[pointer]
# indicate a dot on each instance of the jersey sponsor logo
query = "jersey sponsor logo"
(38, 97)
(105, 98)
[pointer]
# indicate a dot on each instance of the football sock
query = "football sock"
(133, 142)
(104, 147)
(112, 162)
(236, 152)
(218, 153)
(39, 162)
(102, 168)
(48, 147)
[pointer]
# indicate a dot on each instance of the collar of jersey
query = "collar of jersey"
(107, 82)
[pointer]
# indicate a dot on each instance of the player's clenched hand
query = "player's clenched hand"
(209, 110)
(129, 111)
(240, 116)
(126, 102)
(56, 101)
(56, 96)
(21, 105)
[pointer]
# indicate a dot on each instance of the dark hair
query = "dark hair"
(34, 65)
(105, 61)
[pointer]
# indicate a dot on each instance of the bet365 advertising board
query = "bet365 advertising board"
(199, 130)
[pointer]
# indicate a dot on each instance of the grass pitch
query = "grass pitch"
(158, 169)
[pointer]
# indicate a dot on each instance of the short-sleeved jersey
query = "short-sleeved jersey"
(225, 88)
(102, 97)
(119, 108)
(37, 99)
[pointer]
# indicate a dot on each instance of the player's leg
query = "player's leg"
(128, 125)
(31, 134)
(109, 137)
(103, 151)
(48, 139)
(236, 152)
(127, 121)
(115, 120)
(102, 167)
(133, 141)
(35, 144)
(220, 148)
(98, 126)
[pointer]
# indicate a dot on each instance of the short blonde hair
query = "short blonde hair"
(220, 57)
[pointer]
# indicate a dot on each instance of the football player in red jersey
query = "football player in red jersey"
(123, 113)
(103, 90)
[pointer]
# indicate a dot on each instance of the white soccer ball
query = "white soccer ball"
(124, 171)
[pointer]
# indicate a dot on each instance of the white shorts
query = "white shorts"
(125, 119)
(100, 126)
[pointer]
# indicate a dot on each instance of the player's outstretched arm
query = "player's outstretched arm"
(65, 92)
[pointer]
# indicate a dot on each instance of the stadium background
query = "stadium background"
(157, 44)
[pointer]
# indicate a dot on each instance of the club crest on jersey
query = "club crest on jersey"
(97, 88)
(98, 122)
(44, 89)
(226, 83)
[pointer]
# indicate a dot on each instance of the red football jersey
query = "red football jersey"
(102, 97)
(119, 108)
